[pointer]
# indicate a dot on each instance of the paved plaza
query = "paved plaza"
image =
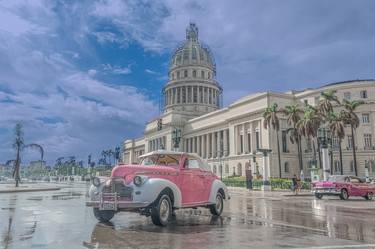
(59, 219)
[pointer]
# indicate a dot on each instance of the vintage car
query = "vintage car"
(344, 186)
(162, 182)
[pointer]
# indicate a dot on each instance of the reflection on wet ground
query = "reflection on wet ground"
(59, 219)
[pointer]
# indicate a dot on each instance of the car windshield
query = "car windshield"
(161, 159)
(336, 178)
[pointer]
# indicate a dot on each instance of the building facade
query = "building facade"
(228, 138)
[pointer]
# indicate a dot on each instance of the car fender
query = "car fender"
(216, 185)
(150, 190)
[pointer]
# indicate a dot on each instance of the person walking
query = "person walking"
(295, 184)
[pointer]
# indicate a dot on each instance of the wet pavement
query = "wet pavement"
(59, 219)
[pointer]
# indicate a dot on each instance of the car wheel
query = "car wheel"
(217, 208)
(103, 215)
(344, 194)
(162, 211)
(318, 196)
(369, 196)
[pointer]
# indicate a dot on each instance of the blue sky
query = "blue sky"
(82, 76)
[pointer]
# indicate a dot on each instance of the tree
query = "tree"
(351, 118)
(308, 125)
(271, 119)
(293, 113)
(325, 105)
(337, 127)
(19, 146)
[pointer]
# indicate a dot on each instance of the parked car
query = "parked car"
(162, 182)
(344, 186)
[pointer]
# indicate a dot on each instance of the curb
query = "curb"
(27, 190)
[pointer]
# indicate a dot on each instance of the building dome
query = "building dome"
(192, 52)
(192, 87)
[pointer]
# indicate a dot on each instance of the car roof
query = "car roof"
(168, 152)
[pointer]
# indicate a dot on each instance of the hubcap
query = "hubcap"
(218, 203)
(345, 194)
(164, 209)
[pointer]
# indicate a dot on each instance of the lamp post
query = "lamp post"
(324, 136)
(176, 138)
(266, 169)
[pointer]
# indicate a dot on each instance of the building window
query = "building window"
(201, 94)
(363, 94)
(195, 95)
(178, 74)
(368, 140)
(350, 142)
(366, 118)
(241, 144)
(239, 169)
(351, 166)
(372, 166)
(184, 95)
(226, 168)
(209, 75)
(185, 73)
(249, 141)
(194, 73)
(194, 53)
(257, 140)
(284, 141)
(337, 166)
(335, 142)
(286, 167)
(202, 74)
(347, 95)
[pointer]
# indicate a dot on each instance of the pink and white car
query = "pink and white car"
(344, 186)
(162, 182)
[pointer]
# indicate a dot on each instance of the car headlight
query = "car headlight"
(139, 180)
(96, 181)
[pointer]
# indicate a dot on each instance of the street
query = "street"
(59, 219)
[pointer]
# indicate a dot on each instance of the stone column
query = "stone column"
(243, 138)
(207, 145)
(218, 141)
(214, 149)
(253, 136)
(225, 142)
(204, 147)
(232, 142)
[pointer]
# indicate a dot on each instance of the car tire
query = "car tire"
(162, 211)
(318, 196)
(369, 196)
(344, 194)
(103, 215)
(217, 208)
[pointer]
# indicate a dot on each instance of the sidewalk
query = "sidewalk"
(10, 188)
(283, 192)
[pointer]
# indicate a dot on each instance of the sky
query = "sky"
(82, 76)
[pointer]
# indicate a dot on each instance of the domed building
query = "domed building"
(192, 87)
(229, 138)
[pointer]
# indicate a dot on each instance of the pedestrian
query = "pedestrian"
(295, 184)
(249, 179)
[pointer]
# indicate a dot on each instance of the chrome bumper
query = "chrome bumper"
(326, 191)
(111, 201)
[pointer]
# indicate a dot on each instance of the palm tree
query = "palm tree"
(337, 127)
(271, 118)
(351, 118)
(309, 124)
(293, 116)
(19, 146)
(325, 105)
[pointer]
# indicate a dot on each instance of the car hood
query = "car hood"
(324, 184)
(126, 170)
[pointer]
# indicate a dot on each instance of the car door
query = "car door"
(191, 183)
(355, 186)
(207, 178)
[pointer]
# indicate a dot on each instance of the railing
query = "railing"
(257, 184)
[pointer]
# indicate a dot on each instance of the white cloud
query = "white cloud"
(92, 72)
(116, 69)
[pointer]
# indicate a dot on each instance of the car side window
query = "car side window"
(192, 163)
(354, 180)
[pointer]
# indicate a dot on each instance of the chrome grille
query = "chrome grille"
(118, 187)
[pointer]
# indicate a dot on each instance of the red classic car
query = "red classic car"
(162, 182)
(344, 186)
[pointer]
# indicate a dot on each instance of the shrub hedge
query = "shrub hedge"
(276, 183)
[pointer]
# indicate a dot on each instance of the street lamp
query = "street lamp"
(324, 136)
(176, 138)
